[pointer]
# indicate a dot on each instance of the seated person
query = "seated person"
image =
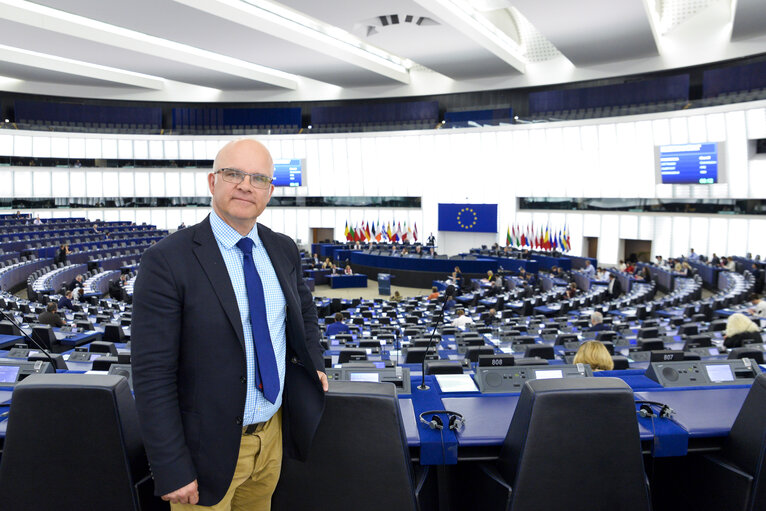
(759, 308)
(614, 288)
(597, 322)
(50, 316)
(315, 261)
(489, 317)
(595, 355)
(79, 281)
(347, 270)
(65, 302)
(396, 297)
(434, 293)
(338, 327)
(327, 264)
(739, 328)
(490, 276)
(572, 290)
(461, 320)
(589, 270)
(78, 294)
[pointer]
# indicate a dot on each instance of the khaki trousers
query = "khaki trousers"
(257, 472)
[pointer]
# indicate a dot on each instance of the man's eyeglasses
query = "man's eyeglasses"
(236, 176)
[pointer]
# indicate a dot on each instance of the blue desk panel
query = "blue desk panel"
(443, 266)
(487, 417)
(340, 281)
(7, 341)
(703, 413)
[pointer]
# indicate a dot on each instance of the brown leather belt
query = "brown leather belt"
(251, 429)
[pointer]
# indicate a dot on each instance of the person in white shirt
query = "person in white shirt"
(760, 308)
(461, 320)
(693, 256)
(37, 221)
(589, 270)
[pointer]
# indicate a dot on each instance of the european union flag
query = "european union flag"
(468, 217)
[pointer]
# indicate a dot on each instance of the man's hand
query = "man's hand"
(186, 495)
(323, 379)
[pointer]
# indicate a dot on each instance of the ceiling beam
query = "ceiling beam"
(45, 18)
(78, 68)
(464, 18)
(297, 28)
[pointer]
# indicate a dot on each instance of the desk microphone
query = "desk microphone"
(34, 342)
(448, 293)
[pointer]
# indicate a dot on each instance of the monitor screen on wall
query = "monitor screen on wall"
(288, 172)
(689, 163)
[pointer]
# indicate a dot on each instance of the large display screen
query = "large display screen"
(689, 163)
(288, 172)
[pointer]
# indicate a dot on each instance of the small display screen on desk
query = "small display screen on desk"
(9, 374)
(719, 372)
(548, 374)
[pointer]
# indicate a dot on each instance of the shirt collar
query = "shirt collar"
(227, 236)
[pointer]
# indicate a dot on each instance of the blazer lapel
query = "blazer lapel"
(209, 256)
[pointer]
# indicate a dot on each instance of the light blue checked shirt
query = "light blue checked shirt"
(257, 407)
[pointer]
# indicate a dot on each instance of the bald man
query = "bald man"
(227, 365)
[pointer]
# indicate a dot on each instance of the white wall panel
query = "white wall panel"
(109, 148)
(173, 218)
(574, 226)
(159, 218)
(679, 130)
(609, 241)
(93, 183)
(111, 215)
(41, 147)
(680, 241)
(93, 148)
(6, 145)
(141, 184)
(663, 233)
(591, 225)
(342, 182)
(125, 149)
(173, 184)
(719, 240)
(716, 127)
(127, 214)
(22, 145)
(629, 227)
(699, 231)
(756, 123)
(60, 183)
(736, 157)
(756, 240)
(126, 183)
(697, 129)
(606, 180)
(41, 183)
(171, 149)
(157, 184)
(77, 183)
(738, 231)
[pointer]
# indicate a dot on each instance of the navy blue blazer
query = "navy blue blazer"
(189, 369)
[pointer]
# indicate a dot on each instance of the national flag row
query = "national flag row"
(392, 232)
(542, 238)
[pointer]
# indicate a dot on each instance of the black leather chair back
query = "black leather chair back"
(359, 458)
(104, 466)
(113, 333)
(746, 444)
(44, 335)
(597, 446)
(539, 350)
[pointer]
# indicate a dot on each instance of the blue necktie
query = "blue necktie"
(266, 372)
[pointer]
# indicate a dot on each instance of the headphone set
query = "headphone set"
(646, 410)
(456, 420)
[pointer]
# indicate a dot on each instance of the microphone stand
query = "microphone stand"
(447, 294)
(34, 342)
